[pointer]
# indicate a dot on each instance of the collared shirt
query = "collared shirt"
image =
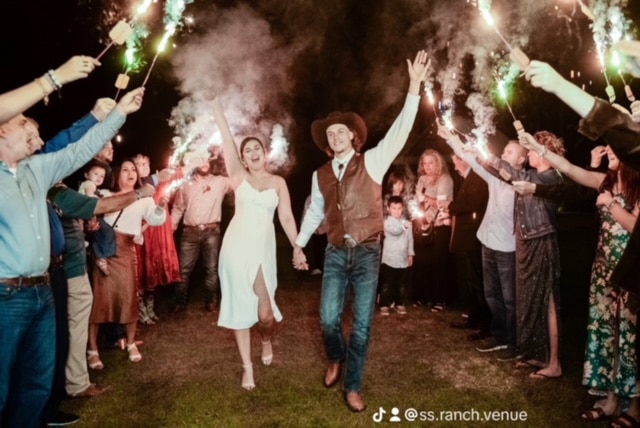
(200, 200)
(376, 160)
(398, 243)
(24, 223)
(496, 230)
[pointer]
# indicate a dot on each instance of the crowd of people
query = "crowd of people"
(77, 263)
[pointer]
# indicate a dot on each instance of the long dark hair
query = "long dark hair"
(115, 177)
(629, 183)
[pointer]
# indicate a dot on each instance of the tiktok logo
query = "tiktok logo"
(379, 415)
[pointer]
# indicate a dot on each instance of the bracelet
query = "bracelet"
(611, 204)
(54, 79)
(45, 94)
(544, 152)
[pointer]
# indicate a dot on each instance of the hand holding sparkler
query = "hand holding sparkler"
(131, 101)
(543, 76)
(102, 108)
(77, 67)
(635, 111)
(146, 191)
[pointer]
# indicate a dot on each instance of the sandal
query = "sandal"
(93, 359)
(267, 353)
(624, 421)
(134, 354)
(247, 377)
(594, 415)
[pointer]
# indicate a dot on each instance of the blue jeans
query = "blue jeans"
(27, 353)
(192, 242)
(499, 277)
(356, 267)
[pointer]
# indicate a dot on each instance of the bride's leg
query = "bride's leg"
(243, 340)
(265, 316)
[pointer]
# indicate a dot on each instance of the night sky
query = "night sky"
(290, 62)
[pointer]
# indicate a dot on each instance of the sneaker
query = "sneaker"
(62, 419)
(401, 310)
(384, 311)
(491, 347)
(510, 354)
(438, 307)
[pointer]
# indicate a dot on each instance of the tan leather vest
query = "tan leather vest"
(352, 205)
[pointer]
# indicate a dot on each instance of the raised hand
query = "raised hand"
(597, 153)
(635, 111)
(102, 108)
(543, 76)
(77, 67)
(418, 70)
(131, 101)
(527, 141)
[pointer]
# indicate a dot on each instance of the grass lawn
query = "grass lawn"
(190, 372)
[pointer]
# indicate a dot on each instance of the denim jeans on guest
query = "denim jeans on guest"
(192, 242)
(499, 277)
(27, 353)
(356, 267)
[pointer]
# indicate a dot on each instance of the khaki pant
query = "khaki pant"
(79, 308)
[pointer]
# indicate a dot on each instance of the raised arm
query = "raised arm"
(543, 76)
(231, 156)
(591, 179)
(20, 99)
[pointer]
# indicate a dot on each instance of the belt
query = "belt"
(349, 242)
(31, 281)
(203, 227)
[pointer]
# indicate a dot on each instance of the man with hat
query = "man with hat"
(347, 190)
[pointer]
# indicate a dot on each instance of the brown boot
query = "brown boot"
(333, 374)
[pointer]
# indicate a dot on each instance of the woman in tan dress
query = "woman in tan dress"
(114, 296)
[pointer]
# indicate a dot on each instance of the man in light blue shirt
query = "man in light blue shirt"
(27, 325)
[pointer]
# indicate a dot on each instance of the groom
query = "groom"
(347, 190)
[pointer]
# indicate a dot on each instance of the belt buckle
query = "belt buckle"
(349, 242)
(201, 227)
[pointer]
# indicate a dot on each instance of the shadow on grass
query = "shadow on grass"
(190, 372)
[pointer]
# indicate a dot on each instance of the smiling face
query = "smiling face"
(340, 139)
(128, 176)
(142, 165)
(252, 154)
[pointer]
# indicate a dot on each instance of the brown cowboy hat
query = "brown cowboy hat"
(351, 120)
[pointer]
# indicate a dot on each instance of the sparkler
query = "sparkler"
(502, 90)
(123, 30)
(161, 46)
(615, 58)
(518, 57)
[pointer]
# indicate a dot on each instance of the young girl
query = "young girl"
(247, 265)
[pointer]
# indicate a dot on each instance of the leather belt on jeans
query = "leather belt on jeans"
(32, 281)
(349, 242)
(203, 227)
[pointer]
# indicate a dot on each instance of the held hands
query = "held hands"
(77, 67)
(299, 259)
(543, 76)
(524, 187)
(131, 101)
(597, 153)
(102, 108)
